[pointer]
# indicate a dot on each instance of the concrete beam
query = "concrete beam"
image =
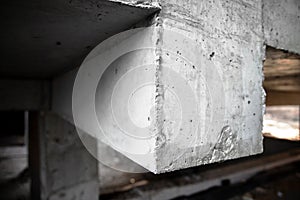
(281, 22)
(186, 91)
(57, 35)
(62, 88)
(24, 94)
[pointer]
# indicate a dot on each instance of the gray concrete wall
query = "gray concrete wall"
(24, 94)
(64, 167)
(230, 39)
(281, 21)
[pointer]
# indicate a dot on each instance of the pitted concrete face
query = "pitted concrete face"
(156, 98)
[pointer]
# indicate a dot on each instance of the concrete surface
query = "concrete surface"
(14, 177)
(66, 170)
(282, 71)
(226, 41)
(227, 66)
(185, 93)
(25, 94)
(41, 39)
(281, 21)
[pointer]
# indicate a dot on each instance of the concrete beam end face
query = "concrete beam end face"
(154, 96)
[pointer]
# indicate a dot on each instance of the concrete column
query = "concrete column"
(60, 166)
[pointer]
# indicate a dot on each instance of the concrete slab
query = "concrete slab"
(41, 39)
(221, 64)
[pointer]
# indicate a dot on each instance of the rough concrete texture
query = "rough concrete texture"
(281, 21)
(51, 37)
(68, 171)
(189, 87)
(229, 39)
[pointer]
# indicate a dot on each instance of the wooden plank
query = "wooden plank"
(283, 83)
(282, 98)
(282, 71)
(41, 39)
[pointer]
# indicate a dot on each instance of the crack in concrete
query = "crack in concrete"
(225, 147)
